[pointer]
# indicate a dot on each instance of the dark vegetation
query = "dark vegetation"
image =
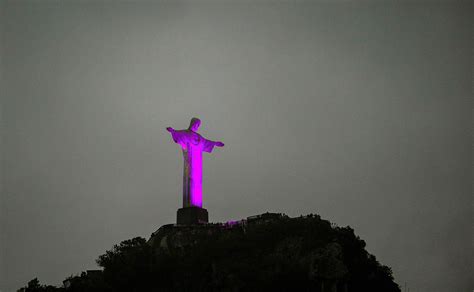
(266, 254)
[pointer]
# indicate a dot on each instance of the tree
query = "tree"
(127, 267)
(35, 286)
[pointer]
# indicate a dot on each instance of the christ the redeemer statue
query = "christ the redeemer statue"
(192, 144)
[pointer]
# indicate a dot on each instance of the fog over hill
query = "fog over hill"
(359, 111)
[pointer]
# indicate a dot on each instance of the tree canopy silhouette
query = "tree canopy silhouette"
(267, 252)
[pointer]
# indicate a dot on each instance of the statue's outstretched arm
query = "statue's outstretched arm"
(178, 136)
(209, 145)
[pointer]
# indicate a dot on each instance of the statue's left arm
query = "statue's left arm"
(209, 145)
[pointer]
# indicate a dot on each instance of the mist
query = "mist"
(359, 112)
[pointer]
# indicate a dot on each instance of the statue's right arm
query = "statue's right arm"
(179, 136)
(174, 134)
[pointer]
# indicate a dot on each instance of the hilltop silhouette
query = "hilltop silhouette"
(268, 252)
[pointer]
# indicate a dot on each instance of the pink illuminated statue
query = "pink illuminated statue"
(192, 144)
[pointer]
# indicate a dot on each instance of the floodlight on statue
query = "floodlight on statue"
(192, 145)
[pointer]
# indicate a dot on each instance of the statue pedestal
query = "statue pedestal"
(192, 215)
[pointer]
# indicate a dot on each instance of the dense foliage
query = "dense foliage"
(288, 254)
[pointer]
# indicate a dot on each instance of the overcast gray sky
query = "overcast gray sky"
(359, 112)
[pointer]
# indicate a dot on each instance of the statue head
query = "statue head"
(194, 125)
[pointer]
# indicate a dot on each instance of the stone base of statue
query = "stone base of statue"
(192, 215)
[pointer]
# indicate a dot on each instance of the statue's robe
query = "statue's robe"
(192, 145)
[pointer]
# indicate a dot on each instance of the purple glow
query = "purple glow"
(192, 144)
(196, 176)
(233, 222)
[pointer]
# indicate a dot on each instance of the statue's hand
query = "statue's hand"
(170, 129)
(219, 144)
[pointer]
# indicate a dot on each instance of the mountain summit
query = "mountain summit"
(267, 252)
